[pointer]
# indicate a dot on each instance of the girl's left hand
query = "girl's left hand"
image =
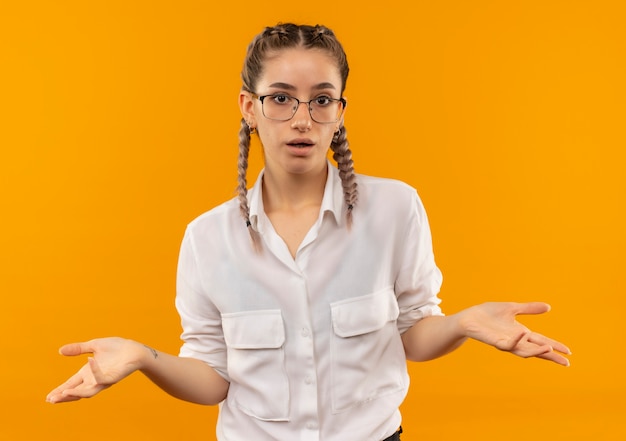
(495, 323)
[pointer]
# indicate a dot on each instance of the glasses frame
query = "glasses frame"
(297, 106)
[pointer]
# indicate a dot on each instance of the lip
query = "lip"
(300, 143)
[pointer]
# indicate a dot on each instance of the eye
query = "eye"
(322, 101)
(281, 99)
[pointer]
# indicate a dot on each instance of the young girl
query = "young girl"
(302, 299)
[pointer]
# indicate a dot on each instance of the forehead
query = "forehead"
(300, 67)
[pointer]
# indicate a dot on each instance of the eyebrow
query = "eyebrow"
(286, 86)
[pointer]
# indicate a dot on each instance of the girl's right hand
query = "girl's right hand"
(113, 359)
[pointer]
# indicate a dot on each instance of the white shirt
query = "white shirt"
(311, 346)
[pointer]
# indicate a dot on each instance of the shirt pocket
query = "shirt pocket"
(366, 352)
(256, 364)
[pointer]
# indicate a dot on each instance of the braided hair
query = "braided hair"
(286, 36)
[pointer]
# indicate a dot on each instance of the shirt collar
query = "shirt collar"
(332, 201)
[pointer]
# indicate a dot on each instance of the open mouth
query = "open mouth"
(300, 143)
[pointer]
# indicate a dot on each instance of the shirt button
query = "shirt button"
(305, 332)
(308, 380)
(311, 426)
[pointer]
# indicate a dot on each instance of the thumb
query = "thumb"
(533, 308)
(73, 349)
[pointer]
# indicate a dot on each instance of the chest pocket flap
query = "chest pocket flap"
(254, 329)
(364, 314)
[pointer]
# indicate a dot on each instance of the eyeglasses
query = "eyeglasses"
(281, 107)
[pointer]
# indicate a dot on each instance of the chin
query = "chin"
(303, 167)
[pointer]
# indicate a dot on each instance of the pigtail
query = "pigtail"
(242, 183)
(343, 155)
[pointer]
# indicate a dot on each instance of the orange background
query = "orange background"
(119, 123)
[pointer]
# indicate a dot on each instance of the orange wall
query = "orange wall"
(119, 123)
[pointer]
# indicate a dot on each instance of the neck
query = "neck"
(291, 192)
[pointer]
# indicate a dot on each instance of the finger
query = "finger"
(61, 398)
(532, 308)
(68, 399)
(73, 349)
(82, 392)
(58, 393)
(561, 348)
(543, 340)
(54, 396)
(511, 343)
(532, 350)
(85, 390)
(73, 382)
(555, 357)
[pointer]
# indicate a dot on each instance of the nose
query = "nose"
(302, 118)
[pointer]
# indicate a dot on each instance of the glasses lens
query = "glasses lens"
(326, 110)
(279, 107)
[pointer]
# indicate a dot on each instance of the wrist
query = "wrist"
(458, 325)
(146, 357)
(139, 356)
(469, 321)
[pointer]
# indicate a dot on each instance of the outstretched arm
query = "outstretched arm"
(493, 323)
(115, 358)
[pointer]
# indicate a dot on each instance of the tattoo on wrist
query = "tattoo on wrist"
(155, 354)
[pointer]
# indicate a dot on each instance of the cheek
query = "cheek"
(328, 136)
(265, 138)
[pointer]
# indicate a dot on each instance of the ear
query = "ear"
(246, 106)
(339, 124)
(343, 115)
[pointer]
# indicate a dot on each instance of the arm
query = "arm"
(115, 358)
(491, 323)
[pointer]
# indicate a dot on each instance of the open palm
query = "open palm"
(495, 323)
(113, 359)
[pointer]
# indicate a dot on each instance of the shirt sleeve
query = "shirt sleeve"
(419, 281)
(201, 322)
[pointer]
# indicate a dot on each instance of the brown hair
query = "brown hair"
(275, 38)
